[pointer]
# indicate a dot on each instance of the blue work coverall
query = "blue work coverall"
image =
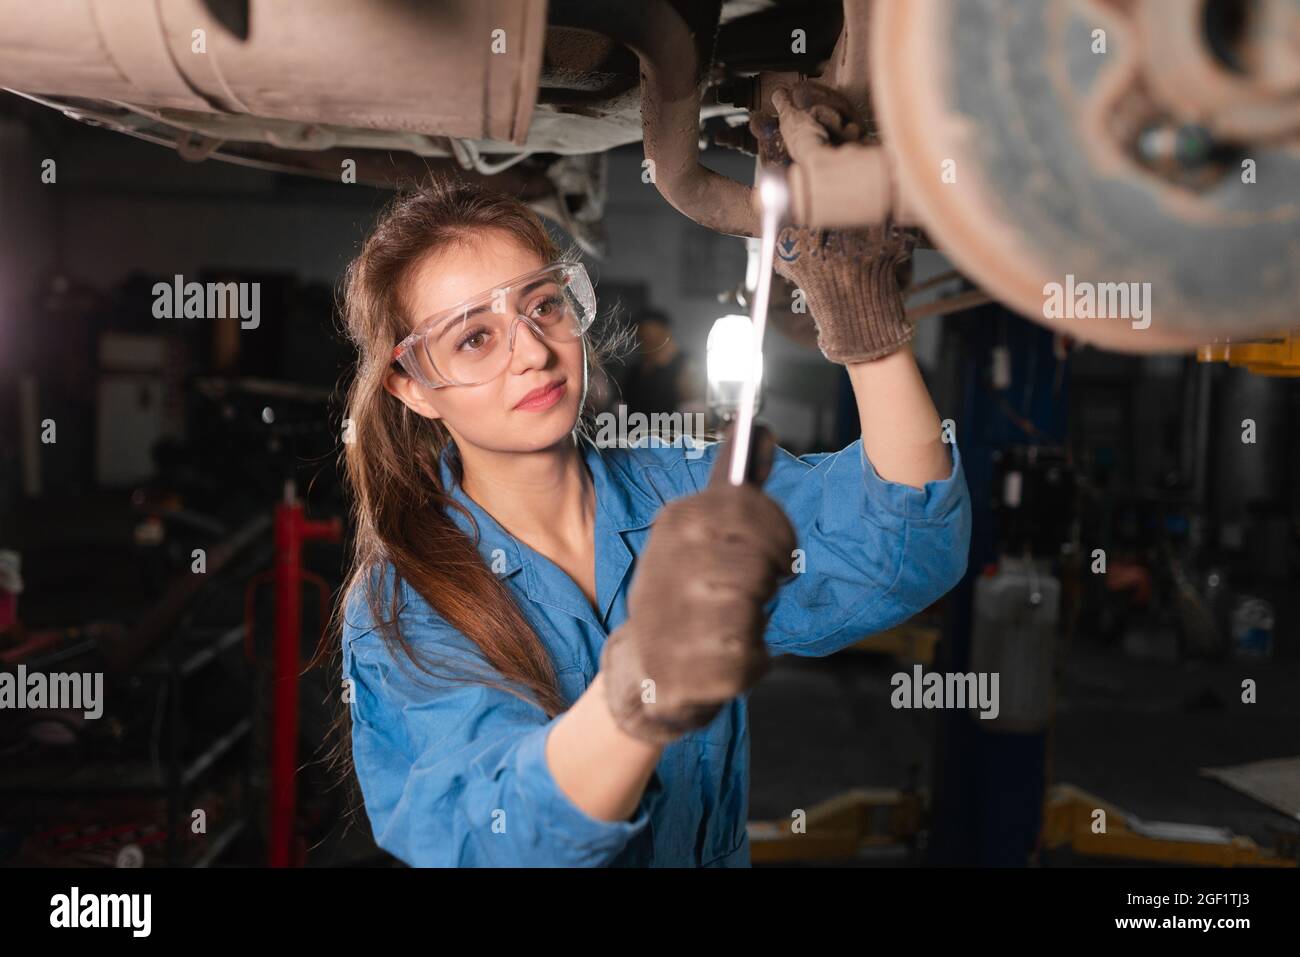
(455, 774)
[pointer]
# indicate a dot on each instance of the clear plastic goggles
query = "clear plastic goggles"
(471, 343)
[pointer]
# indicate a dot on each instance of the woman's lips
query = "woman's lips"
(542, 398)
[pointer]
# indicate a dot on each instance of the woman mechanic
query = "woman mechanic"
(546, 645)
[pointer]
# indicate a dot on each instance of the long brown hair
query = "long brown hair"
(402, 525)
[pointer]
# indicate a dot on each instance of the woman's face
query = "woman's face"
(490, 416)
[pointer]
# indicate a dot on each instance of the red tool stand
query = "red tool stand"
(292, 530)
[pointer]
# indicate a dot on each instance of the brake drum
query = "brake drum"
(1089, 142)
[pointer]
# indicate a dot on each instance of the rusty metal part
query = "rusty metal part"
(992, 112)
(1244, 85)
(915, 288)
(371, 65)
(849, 69)
(957, 302)
(270, 76)
(845, 185)
(578, 61)
(671, 91)
(754, 93)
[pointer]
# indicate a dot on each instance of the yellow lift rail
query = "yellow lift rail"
(867, 818)
(1271, 357)
(1070, 816)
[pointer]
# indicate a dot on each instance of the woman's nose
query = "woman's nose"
(529, 350)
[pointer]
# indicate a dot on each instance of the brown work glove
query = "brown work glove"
(850, 277)
(693, 639)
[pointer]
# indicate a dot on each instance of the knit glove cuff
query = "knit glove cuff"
(857, 307)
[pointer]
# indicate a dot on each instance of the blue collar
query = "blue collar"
(621, 505)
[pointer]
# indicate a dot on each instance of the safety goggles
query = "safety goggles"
(471, 342)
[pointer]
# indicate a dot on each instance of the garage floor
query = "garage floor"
(1133, 732)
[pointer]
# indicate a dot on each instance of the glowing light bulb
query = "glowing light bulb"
(729, 354)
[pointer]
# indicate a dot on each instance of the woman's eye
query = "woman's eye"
(473, 340)
(548, 307)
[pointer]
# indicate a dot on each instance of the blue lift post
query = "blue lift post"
(987, 787)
